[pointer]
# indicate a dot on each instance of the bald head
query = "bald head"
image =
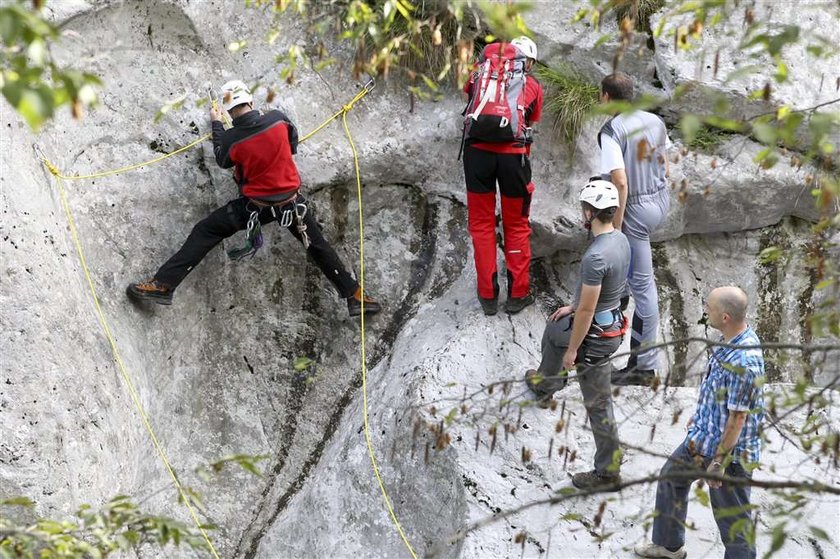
(731, 301)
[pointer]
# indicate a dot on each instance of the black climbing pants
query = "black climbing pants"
(233, 217)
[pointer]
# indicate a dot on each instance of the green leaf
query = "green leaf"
(778, 540)
(603, 39)
(781, 74)
(430, 83)
(766, 158)
(18, 502)
(770, 255)
(764, 133)
(690, 124)
(728, 124)
(820, 533)
(702, 496)
(824, 284)
(302, 363)
(36, 106)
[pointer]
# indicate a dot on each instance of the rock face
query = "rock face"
(216, 373)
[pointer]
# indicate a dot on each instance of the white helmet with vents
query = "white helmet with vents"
(600, 194)
(526, 45)
(234, 93)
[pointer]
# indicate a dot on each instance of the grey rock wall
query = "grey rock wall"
(215, 372)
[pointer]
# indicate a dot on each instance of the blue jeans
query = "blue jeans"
(729, 504)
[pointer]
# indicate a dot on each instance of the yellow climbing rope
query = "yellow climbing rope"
(368, 438)
(58, 174)
(135, 398)
(368, 87)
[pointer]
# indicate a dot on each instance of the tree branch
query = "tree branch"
(812, 487)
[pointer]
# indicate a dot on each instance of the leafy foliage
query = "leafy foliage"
(637, 11)
(30, 80)
(119, 525)
(427, 43)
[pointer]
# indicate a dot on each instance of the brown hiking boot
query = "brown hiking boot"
(354, 304)
(151, 290)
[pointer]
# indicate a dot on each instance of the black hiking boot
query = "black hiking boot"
(630, 376)
(489, 306)
(151, 290)
(594, 480)
(354, 304)
(515, 304)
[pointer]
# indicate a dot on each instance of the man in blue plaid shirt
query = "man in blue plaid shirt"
(723, 438)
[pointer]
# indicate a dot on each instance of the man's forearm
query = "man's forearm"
(731, 434)
(580, 326)
(619, 179)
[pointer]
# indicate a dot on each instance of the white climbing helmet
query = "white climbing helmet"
(526, 45)
(234, 93)
(600, 194)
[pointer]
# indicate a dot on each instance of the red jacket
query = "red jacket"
(261, 148)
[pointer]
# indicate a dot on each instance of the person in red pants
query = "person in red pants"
(492, 157)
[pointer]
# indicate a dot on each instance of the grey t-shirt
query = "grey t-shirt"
(605, 263)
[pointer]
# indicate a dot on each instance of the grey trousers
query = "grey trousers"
(642, 218)
(730, 504)
(593, 374)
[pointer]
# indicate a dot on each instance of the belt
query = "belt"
(262, 204)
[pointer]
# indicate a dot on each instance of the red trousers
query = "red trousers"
(482, 171)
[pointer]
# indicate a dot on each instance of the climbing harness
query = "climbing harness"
(598, 330)
(289, 211)
(299, 215)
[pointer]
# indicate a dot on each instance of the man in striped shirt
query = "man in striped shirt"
(723, 438)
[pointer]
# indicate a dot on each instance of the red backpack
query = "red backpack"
(495, 111)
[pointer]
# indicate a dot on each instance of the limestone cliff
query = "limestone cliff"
(215, 371)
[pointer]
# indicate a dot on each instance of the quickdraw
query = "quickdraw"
(253, 239)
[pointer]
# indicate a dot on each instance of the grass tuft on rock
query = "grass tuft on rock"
(707, 139)
(569, 98)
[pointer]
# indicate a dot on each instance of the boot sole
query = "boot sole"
(632, 380)
(610, 487)
(519, 309)
(141, 297)
(368, 311)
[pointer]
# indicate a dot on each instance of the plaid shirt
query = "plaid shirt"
(734, 381)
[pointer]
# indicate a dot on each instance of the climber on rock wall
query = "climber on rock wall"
(260, 148)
